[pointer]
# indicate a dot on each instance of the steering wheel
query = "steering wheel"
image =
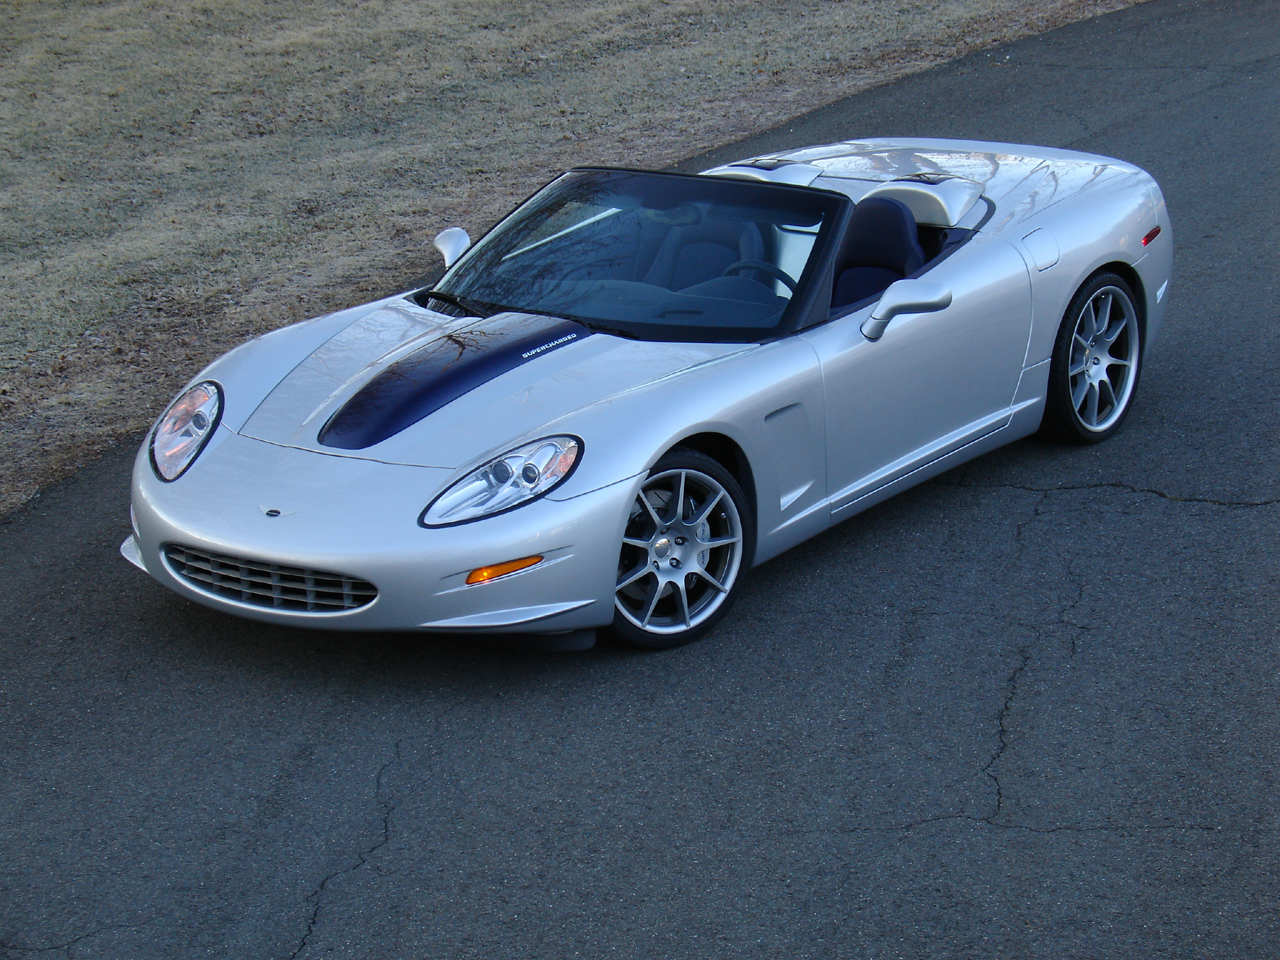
(741, 266)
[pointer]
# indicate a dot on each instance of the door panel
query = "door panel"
(934, 381)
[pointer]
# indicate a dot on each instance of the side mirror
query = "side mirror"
(905, 296)
(452, 242)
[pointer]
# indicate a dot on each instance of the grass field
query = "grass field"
(176, 177)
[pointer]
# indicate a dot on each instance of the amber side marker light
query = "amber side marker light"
(1155, 232)
(481, 574)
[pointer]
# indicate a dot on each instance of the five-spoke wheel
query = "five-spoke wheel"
(687, 540)
(1095, 364)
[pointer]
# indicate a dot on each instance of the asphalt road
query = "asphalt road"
(1029, 709)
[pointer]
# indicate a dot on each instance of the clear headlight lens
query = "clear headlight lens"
(516, 477)
(184, 429)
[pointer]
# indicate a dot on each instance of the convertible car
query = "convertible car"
(638, 385)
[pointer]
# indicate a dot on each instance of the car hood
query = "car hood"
(405, 385)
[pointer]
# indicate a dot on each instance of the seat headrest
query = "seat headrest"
(882, 233)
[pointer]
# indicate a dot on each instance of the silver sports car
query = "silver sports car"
(638, 385)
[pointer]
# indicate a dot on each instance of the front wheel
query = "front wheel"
(688, 539)
(1094, 371)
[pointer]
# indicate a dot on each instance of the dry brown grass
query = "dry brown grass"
(177, 176)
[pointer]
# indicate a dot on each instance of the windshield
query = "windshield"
(653, 255)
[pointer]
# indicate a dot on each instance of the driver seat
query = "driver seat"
(701, 251)
(881, 246)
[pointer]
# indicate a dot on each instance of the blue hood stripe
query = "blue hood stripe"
(440, 372)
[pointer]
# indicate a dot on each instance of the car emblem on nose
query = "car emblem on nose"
(273, 512)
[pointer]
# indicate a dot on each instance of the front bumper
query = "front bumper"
(271, 504)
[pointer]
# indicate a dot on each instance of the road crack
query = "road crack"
(1004, 733)
(1109, 485)
(67, 946)
(1121, 828)
(362, 858)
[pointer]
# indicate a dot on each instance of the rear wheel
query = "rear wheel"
(1096, 358)
(687, 542)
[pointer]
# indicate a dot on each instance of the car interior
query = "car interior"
(718, 259)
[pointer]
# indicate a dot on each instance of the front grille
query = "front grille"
(272, 585)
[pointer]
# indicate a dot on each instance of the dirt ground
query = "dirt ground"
(178, 176)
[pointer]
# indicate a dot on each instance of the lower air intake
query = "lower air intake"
(271, 585)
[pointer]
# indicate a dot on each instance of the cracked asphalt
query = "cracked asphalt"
(1029, 709)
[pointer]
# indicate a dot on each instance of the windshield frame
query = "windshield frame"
(465, 278)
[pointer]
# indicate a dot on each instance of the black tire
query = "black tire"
(669, 591)
(1097, 359)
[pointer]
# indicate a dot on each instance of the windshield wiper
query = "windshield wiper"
(596, 327)
(473, 307)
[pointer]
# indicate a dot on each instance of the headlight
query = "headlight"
(184, 429)
(506, 482)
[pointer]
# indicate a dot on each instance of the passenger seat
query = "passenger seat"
(880, 247)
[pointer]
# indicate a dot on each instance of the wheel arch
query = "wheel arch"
(1062, 417)
(708, 556)
(1129, 275)
(726, 452)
